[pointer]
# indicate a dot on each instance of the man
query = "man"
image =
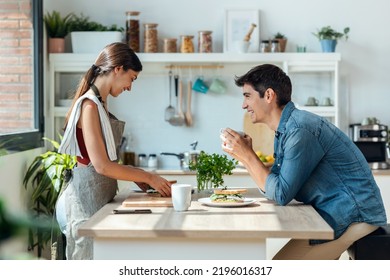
(315, 163)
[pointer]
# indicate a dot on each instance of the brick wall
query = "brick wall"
(16, 66)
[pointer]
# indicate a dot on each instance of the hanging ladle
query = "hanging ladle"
(170, 110)
(178, 118)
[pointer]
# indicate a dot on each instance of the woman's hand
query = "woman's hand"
(143, 186)
(161, 185)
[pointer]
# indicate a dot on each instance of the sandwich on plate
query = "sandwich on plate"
(228, 195)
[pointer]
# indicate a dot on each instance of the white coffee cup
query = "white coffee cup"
(181, 196)
(223, 138)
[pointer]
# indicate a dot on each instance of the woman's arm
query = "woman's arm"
(89, 122)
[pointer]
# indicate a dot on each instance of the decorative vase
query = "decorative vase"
(282, 44)
(56, 45)
(328, 45)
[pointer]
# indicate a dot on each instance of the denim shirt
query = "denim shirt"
(317, 164)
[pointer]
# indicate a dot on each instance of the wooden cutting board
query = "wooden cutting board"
(143, 199)
(262, 135)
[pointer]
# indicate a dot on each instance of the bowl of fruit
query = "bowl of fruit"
(267, 160)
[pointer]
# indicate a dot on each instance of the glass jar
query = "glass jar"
(187, 46)
(264, 46)
(150, 38)
(132, 30)
(275, 46)
(142, 160)
(205, 42)
(152, 162)
(170, 45)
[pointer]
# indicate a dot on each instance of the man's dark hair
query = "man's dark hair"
(267, 76)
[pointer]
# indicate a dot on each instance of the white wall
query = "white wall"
(364, 68)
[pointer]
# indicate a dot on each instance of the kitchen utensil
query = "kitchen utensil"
(188, 114)
(180, 106)
(143, 199)
(177, 119)
(170, 110)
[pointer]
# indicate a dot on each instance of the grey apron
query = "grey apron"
(85, 194)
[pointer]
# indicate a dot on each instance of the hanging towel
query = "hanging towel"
(69, 143)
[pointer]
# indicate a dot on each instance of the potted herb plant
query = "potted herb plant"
(282, 39)
(210, 169)
(328, 37)
(57, 28)
(88, 36)
(44, 179)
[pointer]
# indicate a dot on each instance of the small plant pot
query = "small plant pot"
(328, 45)
(56, 45)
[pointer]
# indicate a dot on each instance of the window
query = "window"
(21, 75)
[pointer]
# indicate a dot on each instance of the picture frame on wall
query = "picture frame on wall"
(237, 24)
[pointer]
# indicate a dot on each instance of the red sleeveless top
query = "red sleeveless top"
(84, 159)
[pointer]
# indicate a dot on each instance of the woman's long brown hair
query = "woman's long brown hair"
(113, 55)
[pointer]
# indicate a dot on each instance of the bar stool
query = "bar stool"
(375, 246)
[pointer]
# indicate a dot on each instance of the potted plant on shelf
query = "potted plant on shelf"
(45, 178)
(282, 39)
(89, 36)
(328, 37)
(57, 28)
(210, 169)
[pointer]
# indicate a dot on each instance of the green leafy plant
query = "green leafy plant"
(83, 23)
(56, 25)
(279, 36)
(46, 176)
(328, 33)
(211, 168)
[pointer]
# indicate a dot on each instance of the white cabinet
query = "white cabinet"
(312, 74)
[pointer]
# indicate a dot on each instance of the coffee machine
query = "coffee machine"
(372, 140)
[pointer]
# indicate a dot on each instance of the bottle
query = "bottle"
(152, 162)
(205, 42)
(132, 30)
(150, 38)
(187, 46)
(128, 157)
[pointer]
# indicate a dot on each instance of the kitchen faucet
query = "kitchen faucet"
(186, 157)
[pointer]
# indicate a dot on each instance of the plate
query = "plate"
(208, 202)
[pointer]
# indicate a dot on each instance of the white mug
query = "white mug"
(181, 196)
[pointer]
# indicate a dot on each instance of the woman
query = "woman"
(94, 135)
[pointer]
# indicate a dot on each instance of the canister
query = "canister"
(187, 45)
(132, 30)
(205, 42)
(150, 38)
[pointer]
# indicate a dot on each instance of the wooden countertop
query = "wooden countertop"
(260, 220)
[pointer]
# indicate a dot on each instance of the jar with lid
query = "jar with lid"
(150, 38)
(187, 45)
(264, 46)
(205, 42)
(132, 30)
(152, 162)
(142, 160)
(275, 46)
(170, 45)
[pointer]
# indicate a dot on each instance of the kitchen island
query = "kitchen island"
(203, 232)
